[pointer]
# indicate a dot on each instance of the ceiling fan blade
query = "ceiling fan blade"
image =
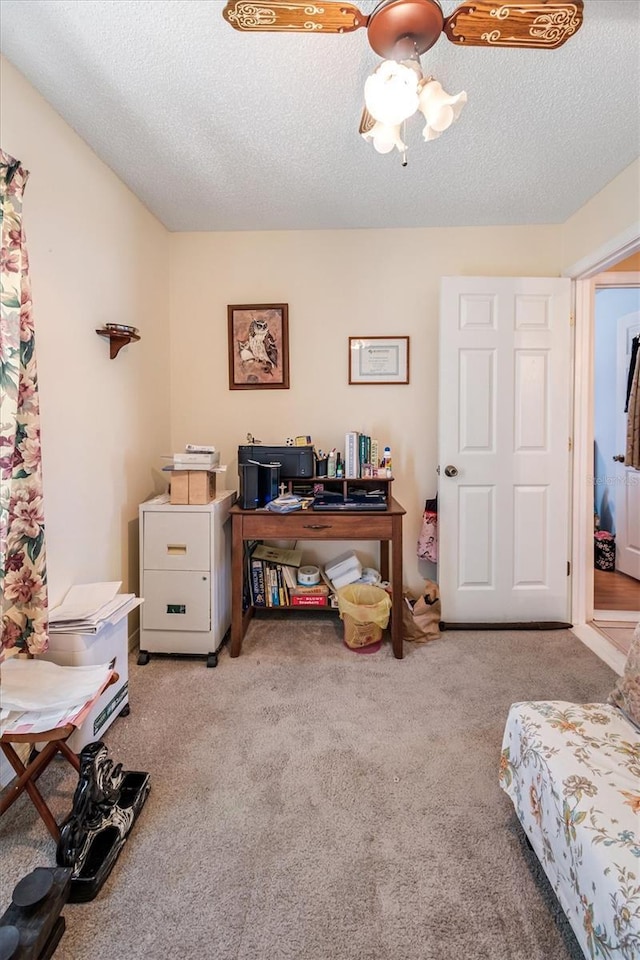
(278, 16)
(545, 25)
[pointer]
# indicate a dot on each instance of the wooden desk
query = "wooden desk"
(310, 525)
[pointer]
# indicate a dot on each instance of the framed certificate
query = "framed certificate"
(378, 359)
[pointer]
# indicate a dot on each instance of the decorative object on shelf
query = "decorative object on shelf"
(106, 804)
(401, 31)
(119, 335)
(258, 346)
(32, 926)
(378, 360)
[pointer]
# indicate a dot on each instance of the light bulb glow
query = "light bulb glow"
(391, 93)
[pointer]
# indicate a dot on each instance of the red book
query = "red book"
(308, 600)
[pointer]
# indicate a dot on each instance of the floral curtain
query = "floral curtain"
(23, 575)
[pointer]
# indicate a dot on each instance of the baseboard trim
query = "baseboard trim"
(528, 625)
(601, 646)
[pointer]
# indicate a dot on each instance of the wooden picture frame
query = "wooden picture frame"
(258, 340)
(378, 360)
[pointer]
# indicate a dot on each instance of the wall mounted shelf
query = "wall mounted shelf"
(118, 339)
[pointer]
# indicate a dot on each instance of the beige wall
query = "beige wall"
(97, 255)
(337, 284)
(612, 212)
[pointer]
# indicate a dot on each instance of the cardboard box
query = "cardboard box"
(192, 486)
(82, 649)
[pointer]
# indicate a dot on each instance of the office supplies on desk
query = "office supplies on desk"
(349, 504)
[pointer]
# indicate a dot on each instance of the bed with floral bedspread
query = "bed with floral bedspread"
(573, 774)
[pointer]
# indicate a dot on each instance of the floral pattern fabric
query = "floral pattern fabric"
(573, 774)
(23, 580)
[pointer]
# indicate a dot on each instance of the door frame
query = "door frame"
(582, 273)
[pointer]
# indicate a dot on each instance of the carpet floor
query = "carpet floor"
(311, 803)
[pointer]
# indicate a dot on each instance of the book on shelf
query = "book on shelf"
(291, 558)
(309, 600)
(318, 590)
(258, 591)
(351, 461)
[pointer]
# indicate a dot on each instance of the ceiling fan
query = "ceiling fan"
(401, 31)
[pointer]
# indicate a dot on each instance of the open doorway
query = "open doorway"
(616, 486)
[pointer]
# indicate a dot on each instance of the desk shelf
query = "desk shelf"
(344, 485)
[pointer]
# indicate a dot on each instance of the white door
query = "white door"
(627, 480)
(503, 489)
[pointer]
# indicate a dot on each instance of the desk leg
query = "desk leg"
(237, 572)
(396, 588)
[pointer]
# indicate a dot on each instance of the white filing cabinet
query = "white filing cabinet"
(185, 577)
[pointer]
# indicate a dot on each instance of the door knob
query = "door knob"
(619, 458)
(450, 471)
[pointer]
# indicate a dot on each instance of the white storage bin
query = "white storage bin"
(81, 649)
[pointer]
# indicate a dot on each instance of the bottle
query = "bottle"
(331, 464)
(386, 461)
(339, 467)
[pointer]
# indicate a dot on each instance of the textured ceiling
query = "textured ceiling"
(217, 130)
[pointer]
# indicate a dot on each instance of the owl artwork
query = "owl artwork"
(258, 347)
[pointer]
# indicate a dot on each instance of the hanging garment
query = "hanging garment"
(632, 366)
(428, 539)
(632, 452)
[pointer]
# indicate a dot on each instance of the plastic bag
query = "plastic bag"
(365, 612)
(428, 539)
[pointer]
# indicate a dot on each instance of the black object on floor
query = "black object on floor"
(106, 804)
(31, 927)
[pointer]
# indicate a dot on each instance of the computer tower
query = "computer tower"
(249, 492)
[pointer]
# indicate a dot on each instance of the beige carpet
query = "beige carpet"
(310, 803)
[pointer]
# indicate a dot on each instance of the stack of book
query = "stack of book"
(361, 456)
(272, 575)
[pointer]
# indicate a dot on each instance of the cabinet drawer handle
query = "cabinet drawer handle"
(317, 526)
(177, 549)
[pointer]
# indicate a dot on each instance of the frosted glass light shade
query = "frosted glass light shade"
(439, 108)
(385, 137)
(391, 93)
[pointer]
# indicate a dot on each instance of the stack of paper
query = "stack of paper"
(38, 695)
(194, 458)
(344, 569)
(87, 606)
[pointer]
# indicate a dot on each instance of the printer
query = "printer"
(295, 462)
(260, 469)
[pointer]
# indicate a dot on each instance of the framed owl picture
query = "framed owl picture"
(258, 346)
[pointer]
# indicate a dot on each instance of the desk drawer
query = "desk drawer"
(308, 525)
(175, 539)
(176, 600)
